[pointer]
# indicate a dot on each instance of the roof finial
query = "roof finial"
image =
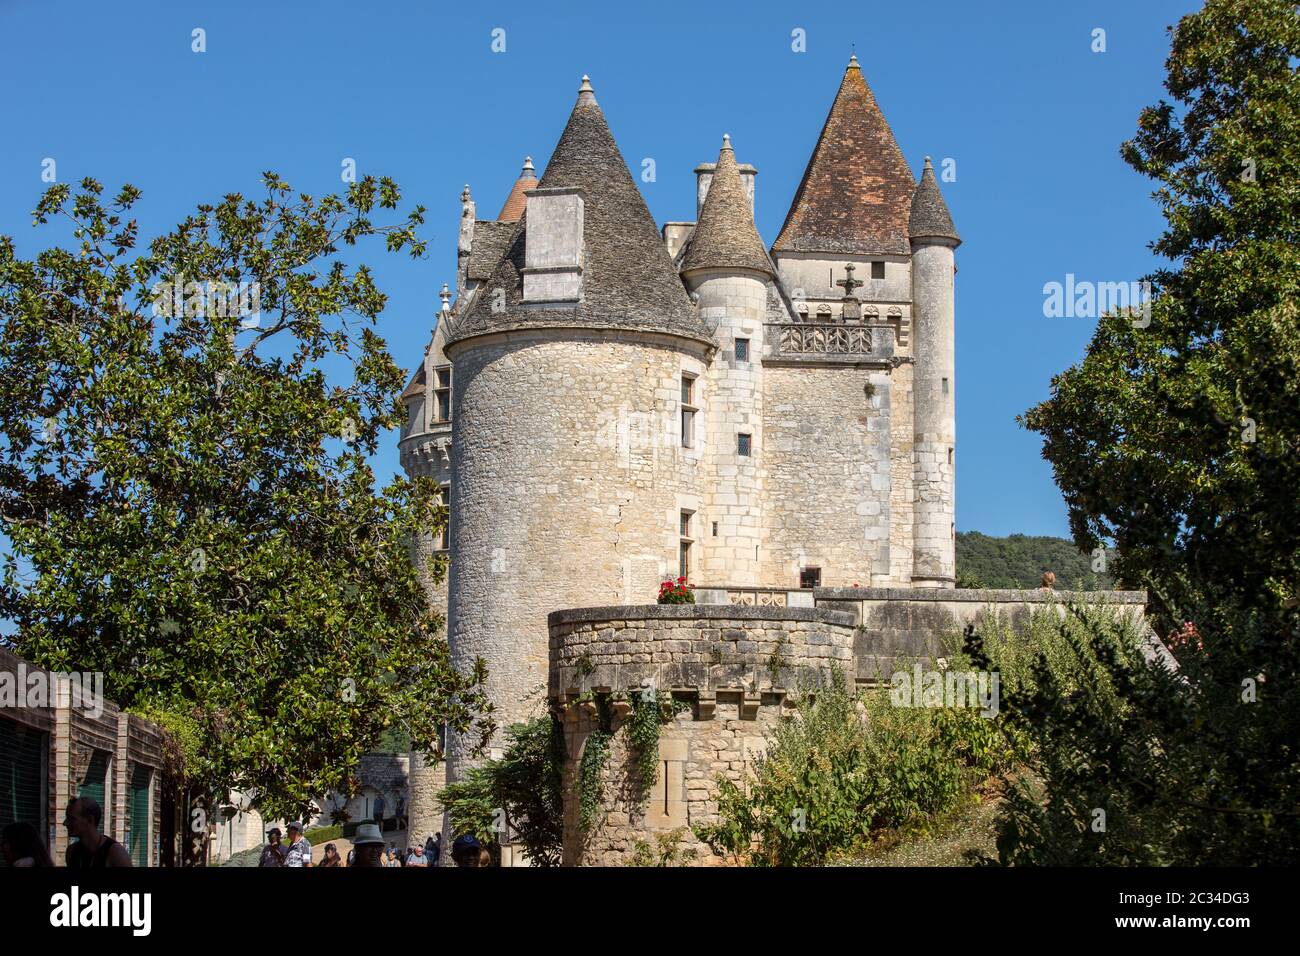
(927, 163)
(726, 141)
(445, 295)
(528, 172)
(585, 93)
(853, 62)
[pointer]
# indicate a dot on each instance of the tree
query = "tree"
(184, 484)
(1177, 439)
(522, 791)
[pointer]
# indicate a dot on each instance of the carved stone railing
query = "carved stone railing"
(828, 341)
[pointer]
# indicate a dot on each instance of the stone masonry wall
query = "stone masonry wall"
(736, 667)
(828, 457)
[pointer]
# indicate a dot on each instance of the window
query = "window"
(443, 540)
(877, 270)
(742, 350)
(442, 393)
(684, 552)
(810, 578)
(715, 529)
(688, 411)
(950, 456)
(945, 386)
(24, 776)
(137, 836)
(742, 445)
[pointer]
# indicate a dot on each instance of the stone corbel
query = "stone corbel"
(749, 705)
(708, 703)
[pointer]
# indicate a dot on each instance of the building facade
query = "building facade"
(607, 404)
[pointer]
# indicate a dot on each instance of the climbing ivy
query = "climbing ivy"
(592, 766)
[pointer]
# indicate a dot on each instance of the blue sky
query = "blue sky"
(1012, 92)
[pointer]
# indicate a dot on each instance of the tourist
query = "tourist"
(352, 856)
(380, 807)
(1049, 581)
(400, 812)
(367, 846)
(21, 845)
(299, 852)
(273, 852)
(465, 851)
(431, 848)
(93, 850)
(416, 857)
(331, 856)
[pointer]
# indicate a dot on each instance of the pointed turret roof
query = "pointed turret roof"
(725, 236)
(628, 281)
(930, 217)
(517, 201)
(856, 193)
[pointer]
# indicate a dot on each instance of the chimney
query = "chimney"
(553, 245)
(704, 176)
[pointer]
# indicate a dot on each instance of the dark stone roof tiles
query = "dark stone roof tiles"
(930, 217)
(725, 236)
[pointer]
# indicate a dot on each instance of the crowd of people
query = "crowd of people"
(369, 848)
(21, 845)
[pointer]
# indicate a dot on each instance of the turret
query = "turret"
(933, 240)
(727, 269)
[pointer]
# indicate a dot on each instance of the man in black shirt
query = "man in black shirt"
(93, 850)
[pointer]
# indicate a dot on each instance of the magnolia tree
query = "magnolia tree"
(185, 490)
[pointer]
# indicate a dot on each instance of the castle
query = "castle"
(607, 404)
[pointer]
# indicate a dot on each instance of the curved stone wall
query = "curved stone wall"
(735, 670)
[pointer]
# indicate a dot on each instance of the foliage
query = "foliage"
(667, 850)
(186, 491)
(525, 783)
(319, 836)
(591, 768)
(847, 767)
(1018, 561)
(1178, 440)
(1132, 763)
(676, 592)
(650, 710)
(182, 739)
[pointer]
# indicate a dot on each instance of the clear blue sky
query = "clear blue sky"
(1012, 91)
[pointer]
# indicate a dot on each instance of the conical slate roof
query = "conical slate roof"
(856, 193)
(725, 236)
(517, 201)
(930, 217)
(628, 281)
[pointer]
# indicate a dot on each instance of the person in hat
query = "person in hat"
(273, 852)
(299, 852)
(368, 846)
(465, 850)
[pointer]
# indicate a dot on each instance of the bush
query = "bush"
(845, 769)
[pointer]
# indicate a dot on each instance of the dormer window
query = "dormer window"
(877, 270)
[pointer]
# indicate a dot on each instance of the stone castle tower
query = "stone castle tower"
(607, 404)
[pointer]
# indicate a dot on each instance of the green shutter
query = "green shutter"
(95, 783)
(24, 784)
(139, 849)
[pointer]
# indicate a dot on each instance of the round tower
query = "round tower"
(568, 482)
(727, 270)
(933, 241)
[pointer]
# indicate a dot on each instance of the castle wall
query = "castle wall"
(567, 483)
(737, 667)
(829, 474)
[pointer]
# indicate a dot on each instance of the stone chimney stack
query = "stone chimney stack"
(553, 245)
(704, 176)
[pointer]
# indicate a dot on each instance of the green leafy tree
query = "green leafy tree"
(1177, 440)
(185, 489)
(522, 791)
